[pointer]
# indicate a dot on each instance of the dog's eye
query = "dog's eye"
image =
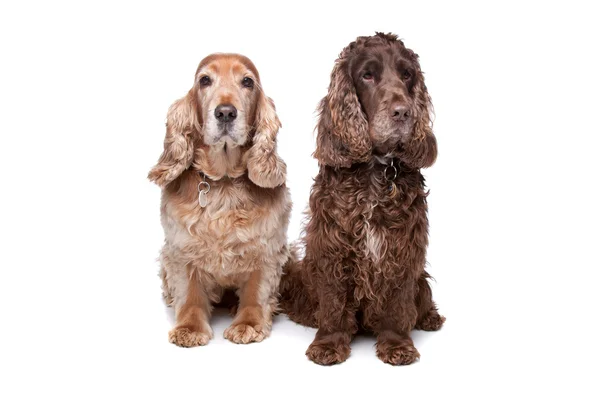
(406, 75)
(248, 82)
(205, 81)
(367, 76)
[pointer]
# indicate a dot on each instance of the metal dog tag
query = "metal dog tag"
(202, 199)
(203, 189)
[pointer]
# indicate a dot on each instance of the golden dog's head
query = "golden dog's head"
(225, 125)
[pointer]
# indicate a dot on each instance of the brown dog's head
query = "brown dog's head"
(377, 103)
(225, 125)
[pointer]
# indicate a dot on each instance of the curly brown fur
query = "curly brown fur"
(366, 237)
(237, 242)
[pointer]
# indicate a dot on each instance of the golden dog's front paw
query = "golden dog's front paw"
(243, 333)
(184, 337)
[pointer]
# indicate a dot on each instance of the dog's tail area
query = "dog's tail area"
(295, 299)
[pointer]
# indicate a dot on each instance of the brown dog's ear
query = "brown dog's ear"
(183, 123)
(420, 149)
(265, 167)
(343, 130)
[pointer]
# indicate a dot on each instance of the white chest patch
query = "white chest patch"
(374, 242)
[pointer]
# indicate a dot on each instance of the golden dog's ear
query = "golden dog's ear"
(420, 149)
(265, 167)
(343, 130)
(183, 124)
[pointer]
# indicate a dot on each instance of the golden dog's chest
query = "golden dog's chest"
(234, 227)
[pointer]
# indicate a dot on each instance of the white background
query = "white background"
(514, 197)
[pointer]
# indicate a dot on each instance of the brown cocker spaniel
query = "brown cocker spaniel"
(225, 206)
(366, 236)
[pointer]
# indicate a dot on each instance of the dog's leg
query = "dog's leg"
(429, 318)
(393, 325)
(192, 313)
(336, 319)
(257, 303)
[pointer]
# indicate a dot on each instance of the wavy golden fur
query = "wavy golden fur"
(366, 236)
(223, 132)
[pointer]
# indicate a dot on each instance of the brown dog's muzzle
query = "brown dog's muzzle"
(398, 106)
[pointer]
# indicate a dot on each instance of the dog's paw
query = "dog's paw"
(328, 353)
(244, 334)
(397, 353)
(433, 321)
(185, 337)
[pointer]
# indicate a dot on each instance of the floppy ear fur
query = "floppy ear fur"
(183, 123)
(265, 167)
(343, 130)
(420, 149)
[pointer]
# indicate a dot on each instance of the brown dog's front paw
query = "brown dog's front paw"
(397, 353)
(328, 353)
(433, 321)
(184, 337)
(244, 334)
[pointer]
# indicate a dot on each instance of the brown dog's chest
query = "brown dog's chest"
(368, 196)
(374, 213)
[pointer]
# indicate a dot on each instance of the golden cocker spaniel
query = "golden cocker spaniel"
(225, 206)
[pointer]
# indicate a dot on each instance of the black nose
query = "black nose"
(400, 112)
(225, 113)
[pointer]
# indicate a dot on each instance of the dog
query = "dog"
(367, 231)
(225, 206)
